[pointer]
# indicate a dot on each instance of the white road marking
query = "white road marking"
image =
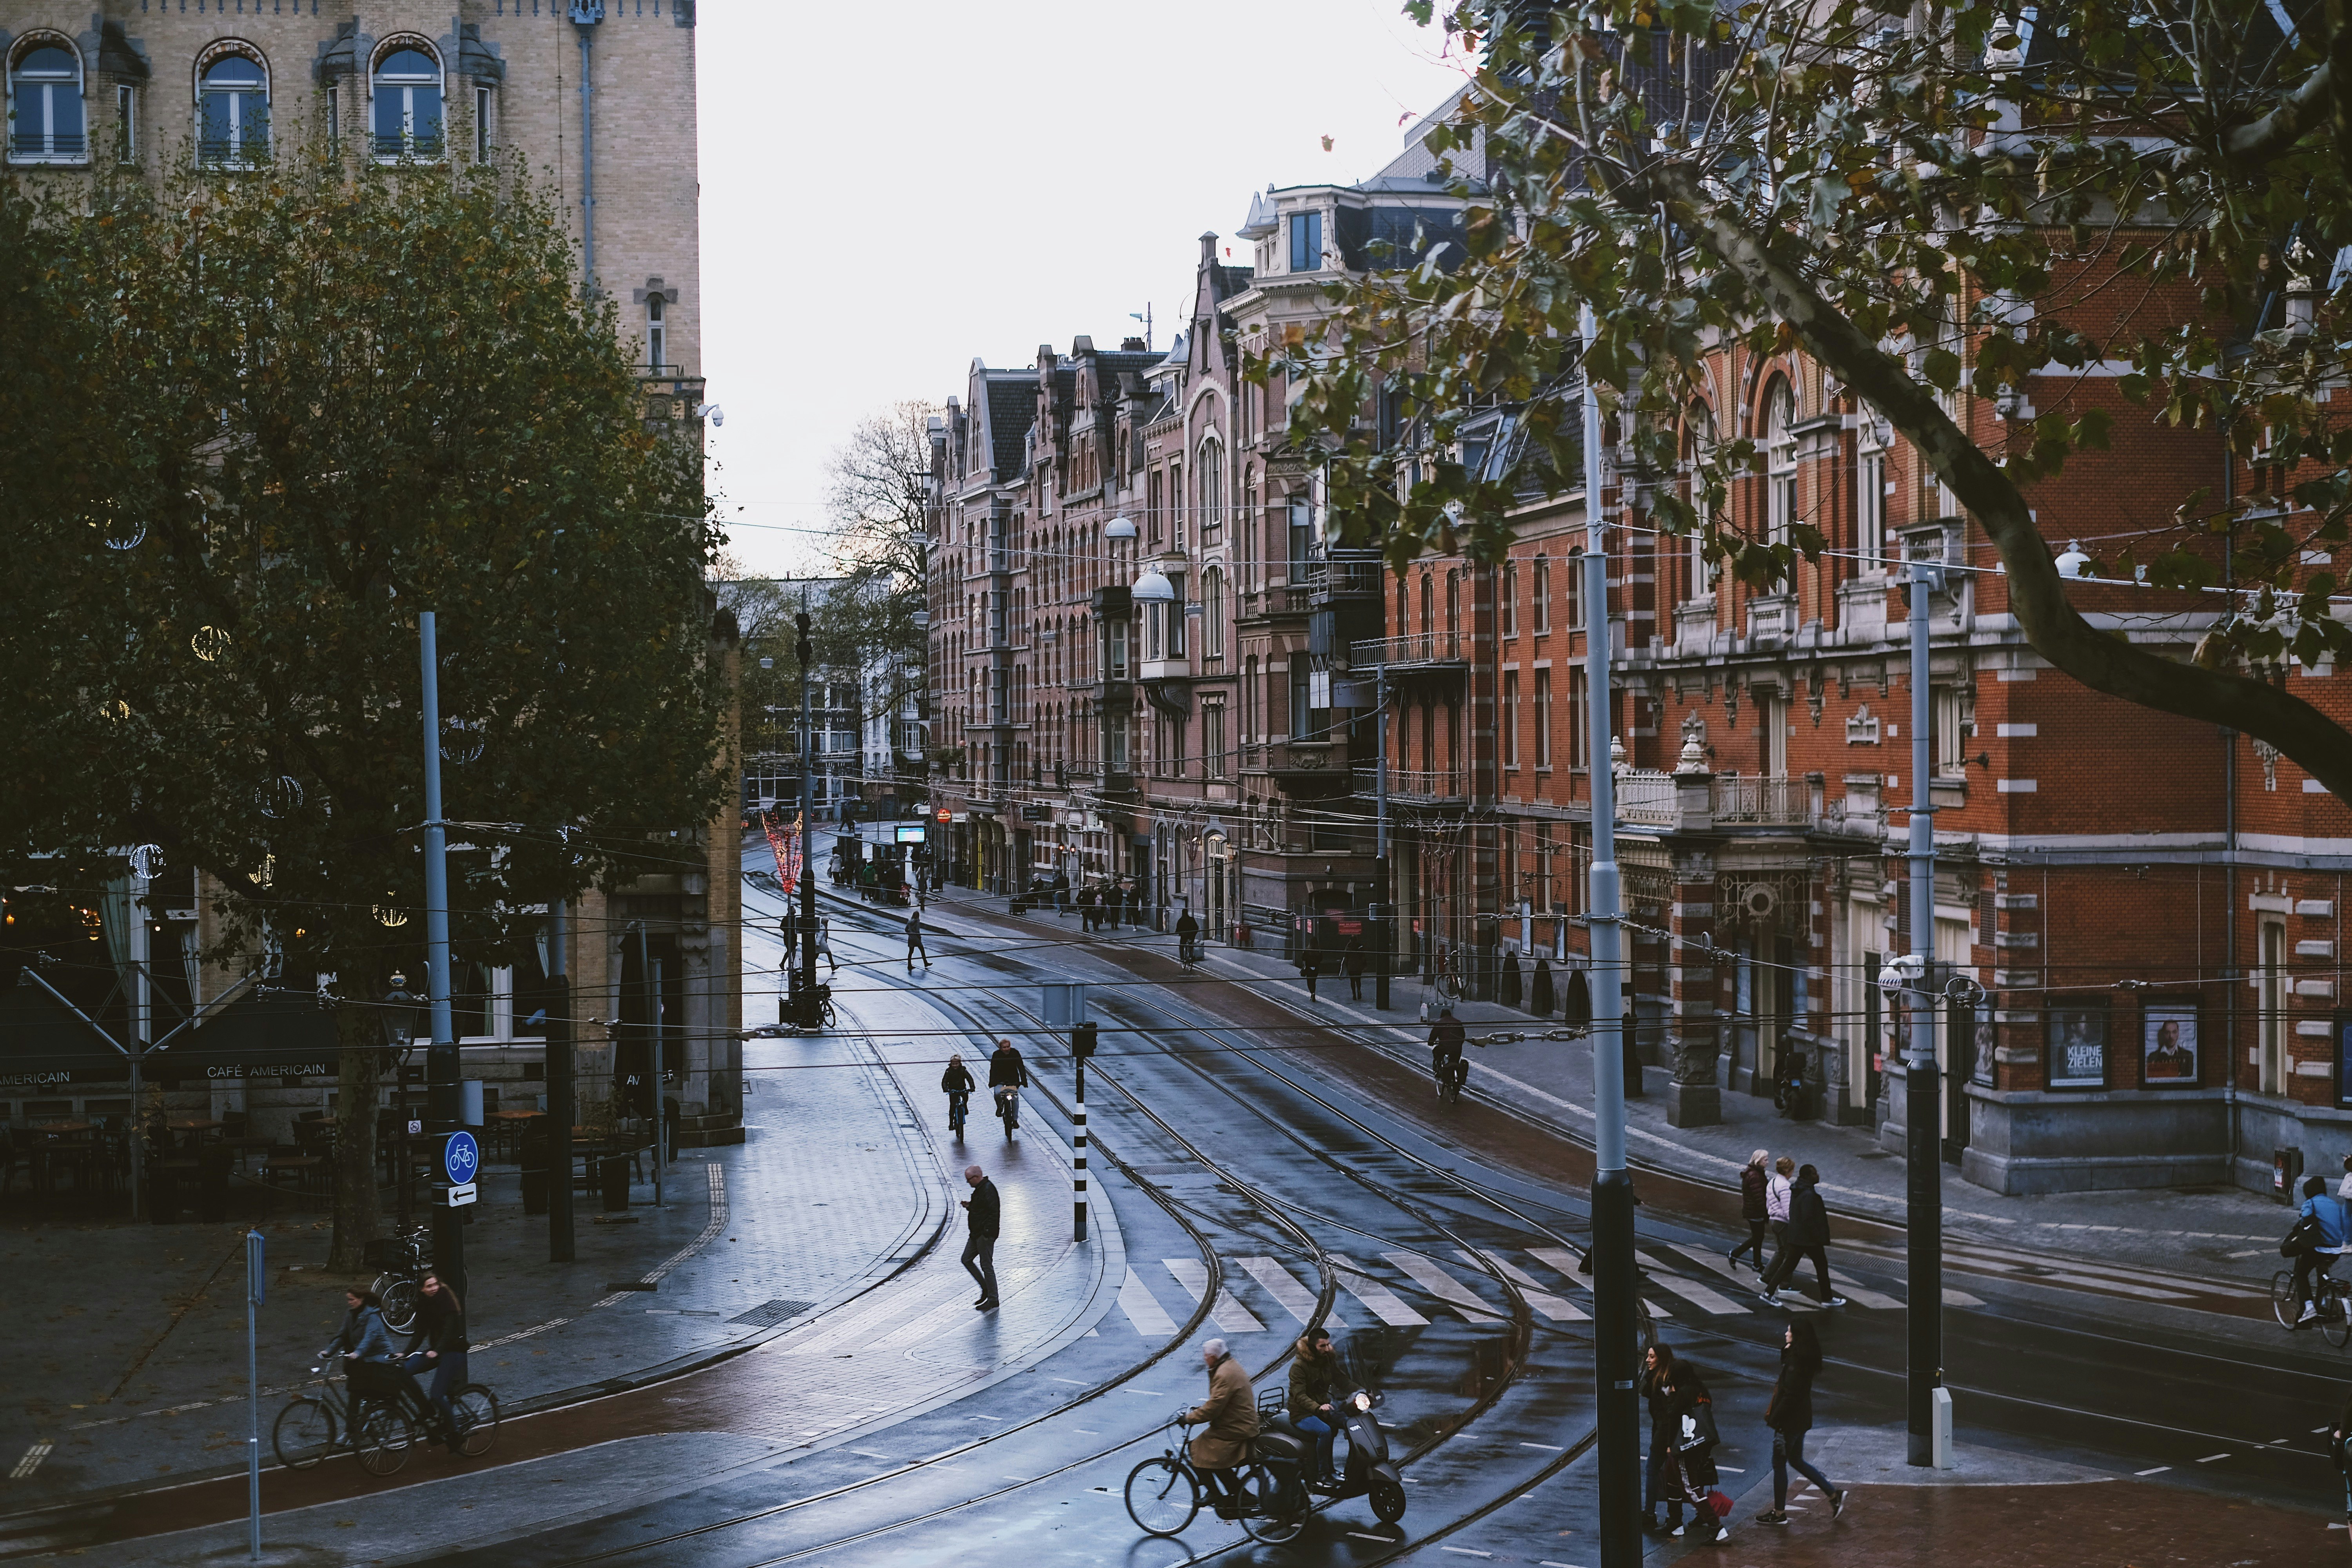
(2120, 1286)
(1230, 1316)
(1143, 1309)
(1735, 1469)
(1864, 1296)
(1556, 1308)
(869, 1454)
(2158, 1471)
(1383, 1303)
(1442, 1285)
(1073, 1381)
(1359, 1535)
(1465, 1551)
(1696, 1294)
(2210, 1458)
(32, 1461)
(1554, 1448)
(1282, 1285)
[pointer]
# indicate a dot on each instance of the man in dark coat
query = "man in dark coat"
(1808, 1237)
(1230, 1414)
(984, 1215)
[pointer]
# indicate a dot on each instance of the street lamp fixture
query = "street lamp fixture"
(2074, 563)
(1153, 588)
(1120, 528)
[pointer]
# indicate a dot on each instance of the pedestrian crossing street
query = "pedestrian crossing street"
(1408, 1289)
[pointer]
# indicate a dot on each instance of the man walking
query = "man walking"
(983, 1217)
(1808, 1237)
(915, 941)
(1310, 964)
(1352, 961)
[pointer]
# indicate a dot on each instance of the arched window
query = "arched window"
(1509, 608)
(1209, 473)
(1702, 452)
(233, 112)
(1213, 613)
(1779, 460)
(1452, 612)
(407, 93)
(45, 124)
(657, 333)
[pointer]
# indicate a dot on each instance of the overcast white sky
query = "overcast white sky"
(882, 205)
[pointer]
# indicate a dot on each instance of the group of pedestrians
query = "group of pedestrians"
(378, 1369)
(1782, 1199)
(1103, 904)
(1684, 1438)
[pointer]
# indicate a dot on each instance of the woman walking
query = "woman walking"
(1691, 1408)
(1664, 1485)
(1808, 1236)
(1753, 1182)
(1790, 1416)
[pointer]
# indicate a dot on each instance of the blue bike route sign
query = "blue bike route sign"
(461, 1157)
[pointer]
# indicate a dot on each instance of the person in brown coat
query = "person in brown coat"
(1230, 1413)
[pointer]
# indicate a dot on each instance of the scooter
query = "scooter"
(1369, 1471)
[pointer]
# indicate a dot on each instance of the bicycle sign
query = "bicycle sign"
(461, 1158)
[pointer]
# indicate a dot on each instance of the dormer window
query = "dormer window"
(1306, 242)
(233, 112)
(46, 125)
(407, 113)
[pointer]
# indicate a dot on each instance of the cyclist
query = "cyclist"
(957, 1084)
(441, 1333)
(1007, 1073)
(370, 1359)
(1188, 939)
(1445, 1064)
(2334, 1231)
(1230, 1414)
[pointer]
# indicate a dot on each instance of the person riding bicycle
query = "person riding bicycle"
(1230, 1414)
(2330, 1233)
(1006, 1072)
(1188, 939)
(956, 1083)
(370, 1359)
(1446, 1039)
(440, 1345)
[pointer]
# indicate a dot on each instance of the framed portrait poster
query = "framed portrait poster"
(2167, 1047)
(2343, 1059)
(2078, 1048)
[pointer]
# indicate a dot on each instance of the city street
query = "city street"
(1252, 1170)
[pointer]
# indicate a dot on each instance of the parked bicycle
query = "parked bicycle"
(379, 1429)
(404, 1260)
(2332, 1296)
(1164, 1493)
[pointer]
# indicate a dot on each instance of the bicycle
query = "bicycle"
(958, 1104)
(382, 1431)
(2332, 1296)
(1450, 1072)
(1188, 954)
(403, 1262)
(1163, 1495)
(1008, 1107)
(825, 1014)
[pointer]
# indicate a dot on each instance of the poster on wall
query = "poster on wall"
(2078, 1048)
(2169, 1046)
(2343, 1059)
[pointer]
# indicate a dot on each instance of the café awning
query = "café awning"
(260, 1033)
(43, 1040)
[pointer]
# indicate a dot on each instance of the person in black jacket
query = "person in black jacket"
(956, 1084)
(441, 1329)
(1752, 1182)
(1790, 1416)
(1690, 1410)
(1664, 1485)
(983, 1217)
(1808, 1237)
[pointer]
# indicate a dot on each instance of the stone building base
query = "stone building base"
(1694, 1105)
(2028, 1141)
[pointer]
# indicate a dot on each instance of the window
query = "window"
(126, 124)
(1543, 594)
(1870, 503)
(1151, 503)
(1572, 591)
(1176, 504)
(1772, 724)
(44, 107)
(233, 112)
(1543, 718)
(1212, 739)
(1452, 611)
(1510, 606)
(1302, 542)
(1213, 613)
(1175, 608)
(1210, 475)
(408, 105)
(481, 125)
(657, 334)
(1301, 727)
(1579, 748)
(1780, 461)
(2270, 1001)
(1951, 731)
(1306, 242)
(1510, 718)
(1702, 452)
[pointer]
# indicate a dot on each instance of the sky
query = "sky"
(879, 208)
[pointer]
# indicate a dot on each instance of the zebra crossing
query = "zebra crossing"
(1406, 1288)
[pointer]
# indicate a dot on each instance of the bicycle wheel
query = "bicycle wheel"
(2284, 1306)
(477, 1419)
(827, 1013)
(399, 1305)
(1161, 1496)
(304, 1434)
(1274, 1505)
(382, 1440)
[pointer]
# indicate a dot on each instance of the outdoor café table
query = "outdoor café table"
(194, 1129)
(56, 1140)
(509, 1128)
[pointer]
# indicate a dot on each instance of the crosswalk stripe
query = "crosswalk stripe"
(1293, 1296)
(1862, 1295)
(1715, 1263)
(1696, 1294)
(1960, 1298)
(1230, 1316)
(1541, 1299)
(1383, 1301)
(1466, 1302)
(1143, 1309)
(1561, 1259)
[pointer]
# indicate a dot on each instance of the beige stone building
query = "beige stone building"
(596, 99)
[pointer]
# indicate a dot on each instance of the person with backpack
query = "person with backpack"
(1808, 1237)
(1690, 1408)
(1753, 1181)
(1790, 1417)
(2320, 1234)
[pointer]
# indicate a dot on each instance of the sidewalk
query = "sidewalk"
(135, 1373)
(2215, 1233)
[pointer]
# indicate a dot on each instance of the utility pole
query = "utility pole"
(1924, 1183)
(810, 1015)
(648, 977)
(559, 1238)
(1386, 927)
(441, 1071)
(1616, 1400)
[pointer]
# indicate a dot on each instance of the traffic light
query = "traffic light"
(1082, 1040)
(802, 648)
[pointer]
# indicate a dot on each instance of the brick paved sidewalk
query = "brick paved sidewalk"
(2217, 1233)
(134, 1367)
(2001, 1510)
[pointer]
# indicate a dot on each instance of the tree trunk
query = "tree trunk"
(357, 1212)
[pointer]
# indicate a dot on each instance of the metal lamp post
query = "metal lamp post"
(1924, 1176)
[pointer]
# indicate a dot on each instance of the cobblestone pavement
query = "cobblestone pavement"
(137, 1368)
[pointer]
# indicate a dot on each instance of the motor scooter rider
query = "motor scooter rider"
(1315, 1387)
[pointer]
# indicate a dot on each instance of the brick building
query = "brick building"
(143, 85)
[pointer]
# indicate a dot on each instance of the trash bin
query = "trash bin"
(612, 1180)
(2286, 1173)
(212, 1183)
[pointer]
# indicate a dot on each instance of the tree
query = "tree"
(1961, 200)
(263, 419)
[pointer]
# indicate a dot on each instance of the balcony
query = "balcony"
(1165, 670)
(1347, 578)
(1417, 786)
(1296, 762)
(1417, 651)
(48, 147)
(672, 403)
(1699, 803)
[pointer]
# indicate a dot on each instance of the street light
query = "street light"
(1153, 588)
(2074, 563)
(1120, 528)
